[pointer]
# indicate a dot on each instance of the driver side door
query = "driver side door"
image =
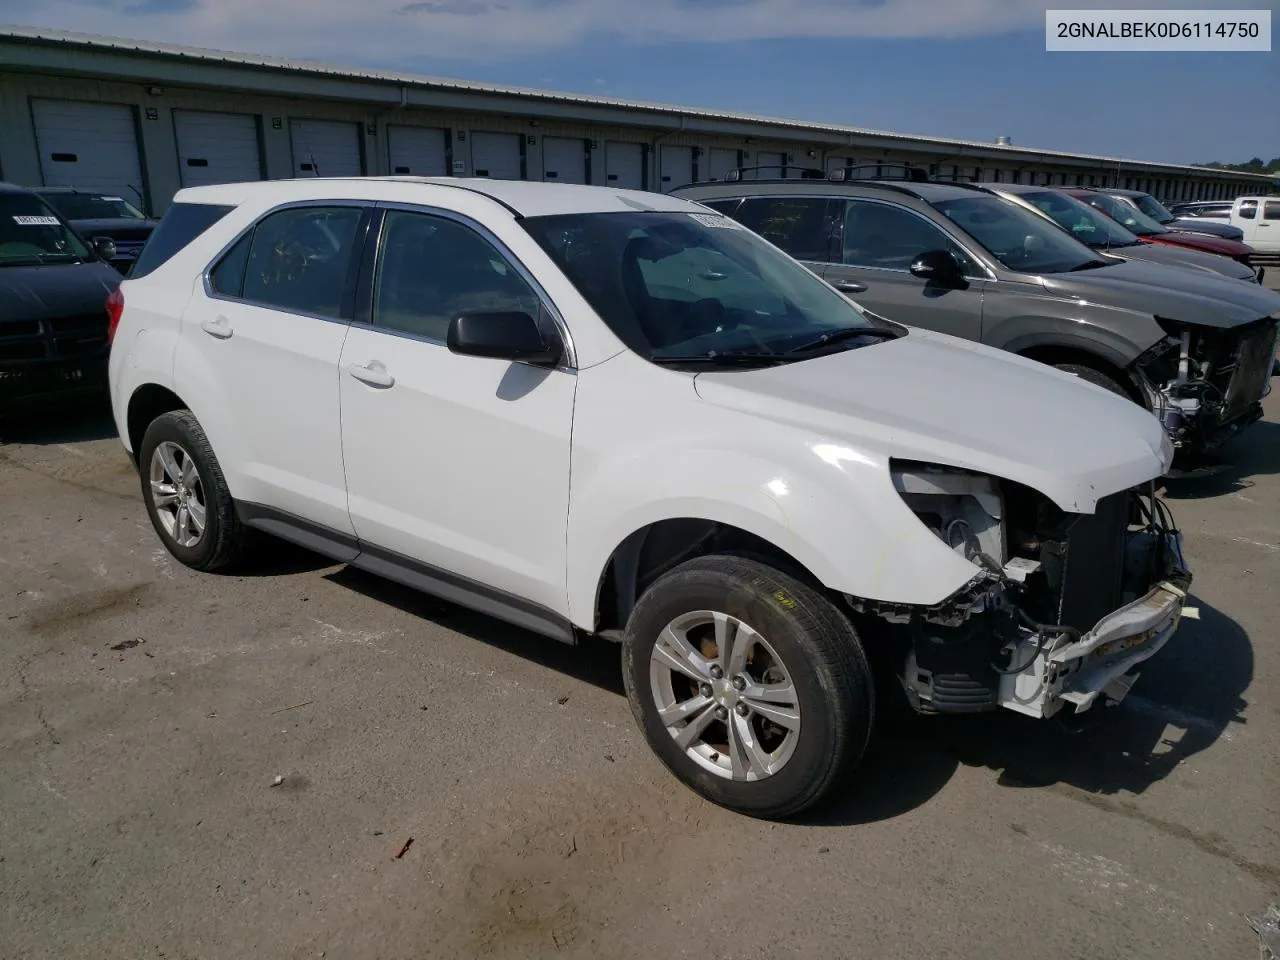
(877, 241)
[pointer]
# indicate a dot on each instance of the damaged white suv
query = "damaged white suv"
(597, 411)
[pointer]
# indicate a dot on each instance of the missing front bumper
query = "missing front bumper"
(1100, 664)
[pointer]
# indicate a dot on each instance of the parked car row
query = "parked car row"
(1258, 219)
(1001, 264)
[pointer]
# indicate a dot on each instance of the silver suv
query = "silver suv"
(1194, 349)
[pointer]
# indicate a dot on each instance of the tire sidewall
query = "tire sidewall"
(773, 617)
(169, 428)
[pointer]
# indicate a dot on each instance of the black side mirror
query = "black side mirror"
(105, 248)
(505, 335)
(938, 266)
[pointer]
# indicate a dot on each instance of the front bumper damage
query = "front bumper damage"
(1065, 607)
(1206, 386)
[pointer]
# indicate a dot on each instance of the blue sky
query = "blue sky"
(962, 68)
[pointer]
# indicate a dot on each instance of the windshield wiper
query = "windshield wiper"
(724, 359)
(1089, 265)
(847, 333)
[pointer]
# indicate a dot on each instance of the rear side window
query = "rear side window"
(301, 260)
(181, 224)
(799, 225)
(1271, 210)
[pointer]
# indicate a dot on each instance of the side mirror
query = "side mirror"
(938, 266)
(105, 248)
(506, 335)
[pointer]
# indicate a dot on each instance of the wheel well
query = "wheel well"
(147, 403)
(1053, 355)
(651, 551)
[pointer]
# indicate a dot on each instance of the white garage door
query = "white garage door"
(771, 166)
(216, 147)
(564, 160)
(624, 165)
(721, 163)
(325, 148)
(677, 167)
(496, 155)
(93, 146)
(418, 151)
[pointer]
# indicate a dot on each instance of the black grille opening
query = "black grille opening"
(19, 328)
(87, 323)
(29, 350)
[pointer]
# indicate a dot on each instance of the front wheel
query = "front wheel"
(750, 686)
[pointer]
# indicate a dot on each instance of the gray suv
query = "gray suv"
(1194, 349)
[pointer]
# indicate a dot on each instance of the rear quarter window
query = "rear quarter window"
(181, 224)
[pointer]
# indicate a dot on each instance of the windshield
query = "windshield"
(1017, 237)
(1125, 215)
(679, 285)
(1153, 208)
(1085, 223)
(93, 206)
(31, 233)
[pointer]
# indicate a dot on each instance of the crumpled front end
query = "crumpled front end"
(1064, 610)
(1206, 385)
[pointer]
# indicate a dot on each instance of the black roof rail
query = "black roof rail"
(911, 172)
(806, 173)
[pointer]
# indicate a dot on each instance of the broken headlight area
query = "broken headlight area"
(1207, 384)
(1062, 606)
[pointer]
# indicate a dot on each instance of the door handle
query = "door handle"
(850, 286)
(218, 327)
(372, 373)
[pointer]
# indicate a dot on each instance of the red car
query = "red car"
(1149, 231)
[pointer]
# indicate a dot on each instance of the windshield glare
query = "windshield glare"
(31, 233)
(93, 206)
(1124, 214)
(1016, 237)
(1085, 223)
(673, 284)
(1154, 209)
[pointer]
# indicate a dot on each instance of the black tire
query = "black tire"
(1096, 377)
(224, 535)
(819, 649)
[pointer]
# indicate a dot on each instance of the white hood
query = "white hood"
(940, 399)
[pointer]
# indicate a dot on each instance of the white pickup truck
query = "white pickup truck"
(1258, 218)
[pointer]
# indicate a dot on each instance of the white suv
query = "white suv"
(587, 410)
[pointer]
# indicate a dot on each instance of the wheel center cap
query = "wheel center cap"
(723, 692)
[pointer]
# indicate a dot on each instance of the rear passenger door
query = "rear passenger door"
(263, 341)
(457, 466)
(877, 242)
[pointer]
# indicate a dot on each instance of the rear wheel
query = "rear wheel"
(186, 494)
(750, 686)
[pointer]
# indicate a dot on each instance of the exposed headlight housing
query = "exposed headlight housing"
(965, 510)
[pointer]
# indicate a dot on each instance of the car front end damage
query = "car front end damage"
(1065, 607)
(1207, 384)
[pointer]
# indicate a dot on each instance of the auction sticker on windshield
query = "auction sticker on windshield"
(36, 221)
(715, 220)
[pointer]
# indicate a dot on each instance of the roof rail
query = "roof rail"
(910, 172)
(806, 173)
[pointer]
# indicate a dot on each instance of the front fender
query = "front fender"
(831, 507)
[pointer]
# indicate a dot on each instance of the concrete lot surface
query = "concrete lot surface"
(146, 711)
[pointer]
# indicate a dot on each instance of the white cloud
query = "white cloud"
(395, 31)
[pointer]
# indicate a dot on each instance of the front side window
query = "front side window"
(31, 233)
(673, 285)
(799, 225)
(1248, 209)
(430, 269)
(300, 260)
(94, 206)
(1085, 223)
(888, 237)
(1019, 239)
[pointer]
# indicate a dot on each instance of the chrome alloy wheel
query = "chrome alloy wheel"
(725, 695)
(177, 494)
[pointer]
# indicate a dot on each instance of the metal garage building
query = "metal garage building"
(145, 119)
